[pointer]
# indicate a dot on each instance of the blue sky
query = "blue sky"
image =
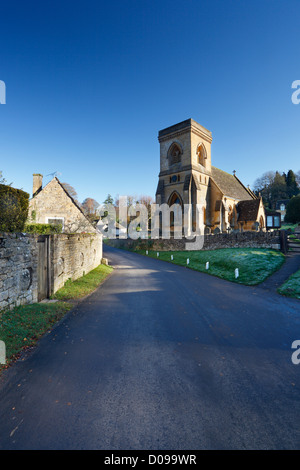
(89, 85)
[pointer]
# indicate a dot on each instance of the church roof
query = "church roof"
(248, 210)
(230, 185)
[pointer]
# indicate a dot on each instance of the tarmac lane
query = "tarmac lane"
(160, 357)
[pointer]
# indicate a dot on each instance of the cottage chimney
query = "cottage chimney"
(37, 183)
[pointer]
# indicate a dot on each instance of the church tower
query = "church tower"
(185, 168)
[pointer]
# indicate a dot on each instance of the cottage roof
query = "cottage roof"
(230, 185)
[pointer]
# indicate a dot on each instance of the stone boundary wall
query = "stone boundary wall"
(72, 256)
(69, 257)
(18, 269)
(211, 242)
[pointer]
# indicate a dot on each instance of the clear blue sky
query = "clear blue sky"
(90, 83)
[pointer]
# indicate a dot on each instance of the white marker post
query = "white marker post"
(157, 254)
(171, 257)
(207, 265)
(2, 353)
(146, 252)
(188, 261)
(236, 272)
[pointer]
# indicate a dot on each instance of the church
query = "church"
(188, 177)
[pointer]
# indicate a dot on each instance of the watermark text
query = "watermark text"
(296, 94)
(296, 354)
(154, 221)
(2, 92)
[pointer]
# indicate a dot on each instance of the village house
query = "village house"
(188, 177)
(52, 204)
(281, 208)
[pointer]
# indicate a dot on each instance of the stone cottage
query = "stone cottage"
(52, 204)
(188, 177)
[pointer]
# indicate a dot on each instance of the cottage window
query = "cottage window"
(276, 221)
(55, 221)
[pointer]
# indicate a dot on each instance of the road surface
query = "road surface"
(160, 357)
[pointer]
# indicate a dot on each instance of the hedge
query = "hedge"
(43, 229)
(13, 209)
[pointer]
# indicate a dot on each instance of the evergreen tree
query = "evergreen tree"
(291, 183)
(108, 200)
(278, 189)
(293, 210)
(273, 187)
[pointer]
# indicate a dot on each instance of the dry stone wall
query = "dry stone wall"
(69, 256)
(211, 242)
(73, 255)
(18, 270)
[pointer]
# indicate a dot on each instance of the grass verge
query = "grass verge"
(22, 327)
(83, 286)
(291, 287)
(254, 264)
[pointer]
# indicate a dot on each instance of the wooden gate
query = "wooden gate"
(43, 271)
(294, 241)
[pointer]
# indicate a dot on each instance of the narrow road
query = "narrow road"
(160, 357)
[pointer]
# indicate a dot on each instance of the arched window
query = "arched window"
(175, 200)
(174, 154)
(261, 222)
(201, 153)
(231, 218)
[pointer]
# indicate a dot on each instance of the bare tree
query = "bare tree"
(2, 180)
(89, 206)
(70, 190)
(147, 201)
(264, 181)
